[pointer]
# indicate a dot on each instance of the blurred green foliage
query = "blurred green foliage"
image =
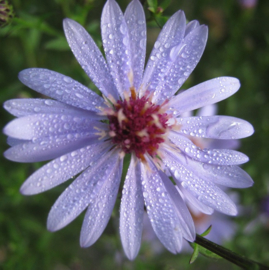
(237, 46)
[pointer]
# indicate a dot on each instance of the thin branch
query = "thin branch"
(229, 255)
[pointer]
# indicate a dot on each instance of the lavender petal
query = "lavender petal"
(43, 125)
(224, 144)
(215, 127)
(210, 156)
(89, 57)
(12, 141)
(195, 203)
(116, 42)
(191, 26)
(85, 190)
(62, 88)
(159, 63)
(42, 149)
(136, 24)
(162, 211)
(183, 59)
(99, 211)
(208, 110)
(63, 168)
(203, 94)
(131, 211)
(27, 106)
(204, 191)
(184, 215)
(230, 176)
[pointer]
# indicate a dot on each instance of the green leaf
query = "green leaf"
(207, 253)
(203, 251)
(207, 231)
(195, 253)
(153, 5)
(151, 9)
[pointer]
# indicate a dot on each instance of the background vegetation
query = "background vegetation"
(237, 46)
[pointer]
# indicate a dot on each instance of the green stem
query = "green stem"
(228, 255)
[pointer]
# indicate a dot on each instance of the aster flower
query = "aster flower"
(84, 133)
(6, 13)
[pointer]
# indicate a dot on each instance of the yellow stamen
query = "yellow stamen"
(142, 133)
(121, 117)
(101, 133)
(131, 77)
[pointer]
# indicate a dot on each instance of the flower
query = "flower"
(248, 3)
(84, 133)
(6, 13)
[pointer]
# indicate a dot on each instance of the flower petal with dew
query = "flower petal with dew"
(88, 136)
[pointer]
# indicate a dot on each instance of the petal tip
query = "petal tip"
(67, 23)
(24, 190)
(131, 255)
(84, 243)
(251, 129)
(234, 211)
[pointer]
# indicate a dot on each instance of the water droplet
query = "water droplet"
(59, 92)
(145, 194)
(184, 55)
(125, 41)
(48, 102)
(55, 166)
(123, 28)
(167, 45)
(79, 95)
(74, 153)
(181, 81)
(67, 79)
(142, 43)
(157, 44)
(175, 51)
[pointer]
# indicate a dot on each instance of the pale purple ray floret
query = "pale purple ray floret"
(84, 134)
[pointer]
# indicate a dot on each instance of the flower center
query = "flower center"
(137, 125)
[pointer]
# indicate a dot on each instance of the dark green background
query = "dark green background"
(238, 46)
